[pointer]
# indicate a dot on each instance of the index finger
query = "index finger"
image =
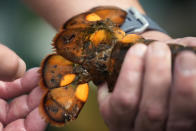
(20, 86)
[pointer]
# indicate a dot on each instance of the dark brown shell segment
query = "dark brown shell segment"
(115, 14)
(60, 105)
(54, 67)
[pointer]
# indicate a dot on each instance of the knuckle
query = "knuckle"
(154, 113)
(158, 75)
(124, 102)
(160, 69)
(185, 90)
(154, 80)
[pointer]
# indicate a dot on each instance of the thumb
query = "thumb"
(11, 65)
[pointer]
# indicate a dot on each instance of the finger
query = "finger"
(33, 122)
(22, 105)
(124, 99)
(182, 114)
(186, 41)
(11, 66)
(17, 125)
(103, 93)
(103, 96)
(20, 86)
(1, 126)
(3, 111)
(157, 79)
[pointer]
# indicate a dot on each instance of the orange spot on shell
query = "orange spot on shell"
(82, 92)
(119, 34)
(131, 38)
(93, 17)
(67, 79)
(98, 36)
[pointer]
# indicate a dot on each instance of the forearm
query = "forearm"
(58, 11)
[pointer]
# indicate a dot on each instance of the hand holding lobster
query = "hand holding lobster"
(91, 46)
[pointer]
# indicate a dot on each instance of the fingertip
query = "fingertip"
(30, 79)
(185, 64)
(103, 92)
(136, 50)
(34, 122)
(21, 68)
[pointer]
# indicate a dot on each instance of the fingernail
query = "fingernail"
(186, 63)
(158, 49)
(21, 68)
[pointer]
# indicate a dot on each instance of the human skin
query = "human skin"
(22, 112)
(147, 96)
(12, 66)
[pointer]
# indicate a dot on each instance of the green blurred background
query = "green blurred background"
(30, 37)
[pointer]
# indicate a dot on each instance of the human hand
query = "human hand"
(146, 97)
(18, 111)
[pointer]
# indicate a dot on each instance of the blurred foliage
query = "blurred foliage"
(30, 37)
